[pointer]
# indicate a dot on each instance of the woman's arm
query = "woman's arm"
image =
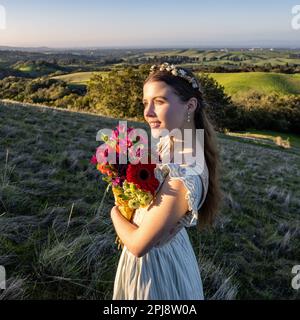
(169, 206)
(124, 229)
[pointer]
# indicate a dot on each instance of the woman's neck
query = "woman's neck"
(184, 148)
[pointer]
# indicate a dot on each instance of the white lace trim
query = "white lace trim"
(193, 186)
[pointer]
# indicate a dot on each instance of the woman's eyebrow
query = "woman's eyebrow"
(162, 97)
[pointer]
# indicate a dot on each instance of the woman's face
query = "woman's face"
(163, 109)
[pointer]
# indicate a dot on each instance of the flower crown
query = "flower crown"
(176, 71)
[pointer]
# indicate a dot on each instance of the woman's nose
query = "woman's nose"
(149, 110)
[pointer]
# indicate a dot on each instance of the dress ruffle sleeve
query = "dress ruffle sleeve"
(194, 189)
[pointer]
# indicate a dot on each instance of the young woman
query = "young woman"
(157, 261)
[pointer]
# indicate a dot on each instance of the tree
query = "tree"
(118, 93)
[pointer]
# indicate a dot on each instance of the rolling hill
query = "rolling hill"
(262, 82)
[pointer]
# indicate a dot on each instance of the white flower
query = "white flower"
(194, 83)
(177, 72)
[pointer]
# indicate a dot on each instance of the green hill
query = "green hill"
(262, 82)
(55, 246)
(77, 77)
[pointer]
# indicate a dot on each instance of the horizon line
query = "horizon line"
(151, 47)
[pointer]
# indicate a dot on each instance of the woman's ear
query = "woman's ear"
(192, 104)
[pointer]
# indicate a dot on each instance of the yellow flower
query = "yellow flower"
(133, 204)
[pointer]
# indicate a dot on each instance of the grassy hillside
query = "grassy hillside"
(76, 77)
(81, 78)
(268, 137)
(54, 245)
(262, 82)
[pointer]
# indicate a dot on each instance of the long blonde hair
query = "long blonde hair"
(210, 207)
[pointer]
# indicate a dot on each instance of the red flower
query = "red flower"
(143, 176)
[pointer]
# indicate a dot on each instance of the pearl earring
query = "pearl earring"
(188, 117)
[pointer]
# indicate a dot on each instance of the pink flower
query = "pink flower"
(116, 181)
(93, 160)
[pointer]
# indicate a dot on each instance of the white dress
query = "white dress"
(169, 271)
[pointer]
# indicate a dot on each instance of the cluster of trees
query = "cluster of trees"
(43, 90)
(118, 93)
(38, 68)
(243, 67)
(6, 72)
(176, 59)
(273, 112)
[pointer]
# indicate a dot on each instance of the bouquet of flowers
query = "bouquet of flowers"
(133, 185)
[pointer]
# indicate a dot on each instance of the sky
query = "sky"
(154, 23)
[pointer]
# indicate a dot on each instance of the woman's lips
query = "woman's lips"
(155, 124)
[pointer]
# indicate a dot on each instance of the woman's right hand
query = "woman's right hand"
(113, 210)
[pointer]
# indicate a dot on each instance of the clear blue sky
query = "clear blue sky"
(132, 23)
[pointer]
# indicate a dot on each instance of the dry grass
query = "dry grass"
(54, 246)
